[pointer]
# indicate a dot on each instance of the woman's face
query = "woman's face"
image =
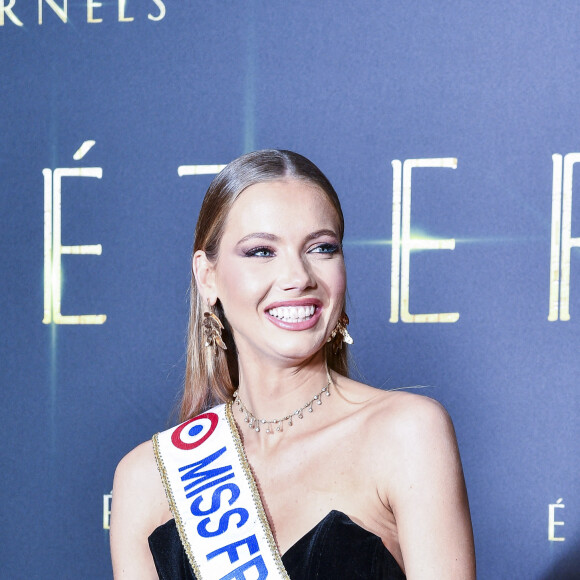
(280, 272)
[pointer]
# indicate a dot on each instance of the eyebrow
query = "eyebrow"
(273, 237)
(320, 233)
(258, 235)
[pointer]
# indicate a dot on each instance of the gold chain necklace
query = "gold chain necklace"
(278, 424)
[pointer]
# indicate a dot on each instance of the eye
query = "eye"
(325, 248)
(259, 252)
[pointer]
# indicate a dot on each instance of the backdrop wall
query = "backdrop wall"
(452, 126)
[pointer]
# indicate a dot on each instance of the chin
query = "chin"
(299, 352)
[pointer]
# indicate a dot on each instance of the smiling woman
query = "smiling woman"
(293, 483)
(208, 378)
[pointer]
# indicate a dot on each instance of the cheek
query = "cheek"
(239, 284)
(334, 279)
(338, 277)
(341, 280)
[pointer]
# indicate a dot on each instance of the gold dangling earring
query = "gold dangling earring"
(340, 334)
(212, 331)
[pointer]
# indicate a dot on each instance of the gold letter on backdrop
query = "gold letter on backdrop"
(8, 10)
(183, 170)
(562, 241)
(552, 523)
(107, 498)
(161, 14)
(53, 248)
(62, 13)
(403, 243)
(91, 5)
(122, 17)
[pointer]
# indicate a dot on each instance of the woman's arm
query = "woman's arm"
(138, 507)
(427, 493)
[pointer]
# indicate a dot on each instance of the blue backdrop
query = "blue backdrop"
(483, 95)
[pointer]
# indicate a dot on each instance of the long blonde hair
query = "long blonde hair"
(211, 379)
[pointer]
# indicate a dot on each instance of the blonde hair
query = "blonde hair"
(212, 378)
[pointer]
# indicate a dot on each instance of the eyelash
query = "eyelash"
(255, 251)
(325, 248)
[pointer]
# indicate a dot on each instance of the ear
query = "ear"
(205, 277)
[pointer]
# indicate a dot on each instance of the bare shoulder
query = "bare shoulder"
(138, 483)
(412, 415)
(400, 429)
(415, 425)
(136, 465)
(139, 506)
(397, 413)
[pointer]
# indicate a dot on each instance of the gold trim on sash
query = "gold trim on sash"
(173, 507)
(255, 493)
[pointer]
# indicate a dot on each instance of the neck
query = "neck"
(273, 392)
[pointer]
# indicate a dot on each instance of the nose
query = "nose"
(296, 274)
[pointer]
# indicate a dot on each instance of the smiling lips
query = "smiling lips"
(295, 316)
(292, 313)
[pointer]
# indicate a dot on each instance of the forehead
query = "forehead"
(282, 204)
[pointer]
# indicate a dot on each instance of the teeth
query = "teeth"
(292, 313)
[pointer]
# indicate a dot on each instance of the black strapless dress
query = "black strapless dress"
(336, 548)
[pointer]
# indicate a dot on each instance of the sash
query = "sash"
(215, 501)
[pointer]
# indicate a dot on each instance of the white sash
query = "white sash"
(215, 501)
